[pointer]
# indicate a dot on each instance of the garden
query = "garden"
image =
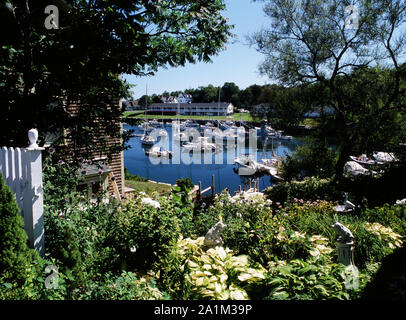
(156, 249)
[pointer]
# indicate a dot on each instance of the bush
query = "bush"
(126, 286)
(141, 234)
(15, 255)
(388, 215)
(309, 189)
(313, 159)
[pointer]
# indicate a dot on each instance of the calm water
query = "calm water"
(224, 176)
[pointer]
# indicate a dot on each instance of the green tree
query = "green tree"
(145, 101)
(228, 91)
(317, 42)
(42, 71)
(15, 255)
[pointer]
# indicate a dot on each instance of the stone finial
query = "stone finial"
(33, 138)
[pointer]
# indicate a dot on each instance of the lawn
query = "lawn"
(148, 187)
(236, 116)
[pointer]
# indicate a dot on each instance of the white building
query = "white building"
(185, 98)
(193, 109)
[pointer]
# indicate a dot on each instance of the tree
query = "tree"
(145, 101)
(334, 44)
(228, 90)
(42, 71)
(15, 256)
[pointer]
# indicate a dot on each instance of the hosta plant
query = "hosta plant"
(217, 274)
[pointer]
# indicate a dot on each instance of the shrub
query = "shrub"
(388, 215)
(141, 234)
(308, 189)
(15, 255)
(126, 286)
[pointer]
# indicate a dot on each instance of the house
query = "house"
(193, 109)
(318, 111)
(99, 172)
(131, 105)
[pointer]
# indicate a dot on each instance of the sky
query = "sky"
(239, 63)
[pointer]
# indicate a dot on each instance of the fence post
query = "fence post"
(200, 191)
(33, 194)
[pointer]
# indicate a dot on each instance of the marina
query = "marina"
(201, 166)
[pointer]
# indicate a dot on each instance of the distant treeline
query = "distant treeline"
(229, 92)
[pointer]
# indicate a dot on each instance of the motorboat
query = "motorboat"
(154, 123)
(247, 165)
(181, 136)
(147, 140)
(190, 124)
(159, 153)
(201, 143)
(285, 138)
(145, 127)
(383, 157)
(363, 159)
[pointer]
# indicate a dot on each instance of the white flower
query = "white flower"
(133, 249)
(150, 202)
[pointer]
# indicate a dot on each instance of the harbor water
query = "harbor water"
(225, 173)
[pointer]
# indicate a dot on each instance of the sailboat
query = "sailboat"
(179, 135)
(146, 139)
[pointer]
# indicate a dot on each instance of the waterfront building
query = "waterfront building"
(193, 109)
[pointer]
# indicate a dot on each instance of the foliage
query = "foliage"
(389, 283)
(15, 256)
(312, 188)
(372, 242)
(127, 286)
(34, 286)
(313, 159)
(140, 234)
(309, 280)
(97, 41)
(358, 70)
(134, 177)
(391, 216)
(217, 273)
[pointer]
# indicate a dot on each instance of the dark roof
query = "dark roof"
(94, 169)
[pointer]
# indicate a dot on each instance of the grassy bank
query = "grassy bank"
(236, 116)
(148, 187)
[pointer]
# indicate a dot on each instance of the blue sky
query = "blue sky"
(238, 63)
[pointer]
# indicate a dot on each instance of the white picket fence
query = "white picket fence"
(22, 170)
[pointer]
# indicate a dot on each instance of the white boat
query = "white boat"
(202, 143)
(154, 123)
(190, 124)
(363, 159)
(285, 138)
(247, 165)
(181, 136)
(145, 127)
(383, 157)
(162, 133)
(147, 140)
(159, 153)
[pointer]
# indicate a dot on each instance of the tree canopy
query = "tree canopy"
(353, 51)
(42, 71)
